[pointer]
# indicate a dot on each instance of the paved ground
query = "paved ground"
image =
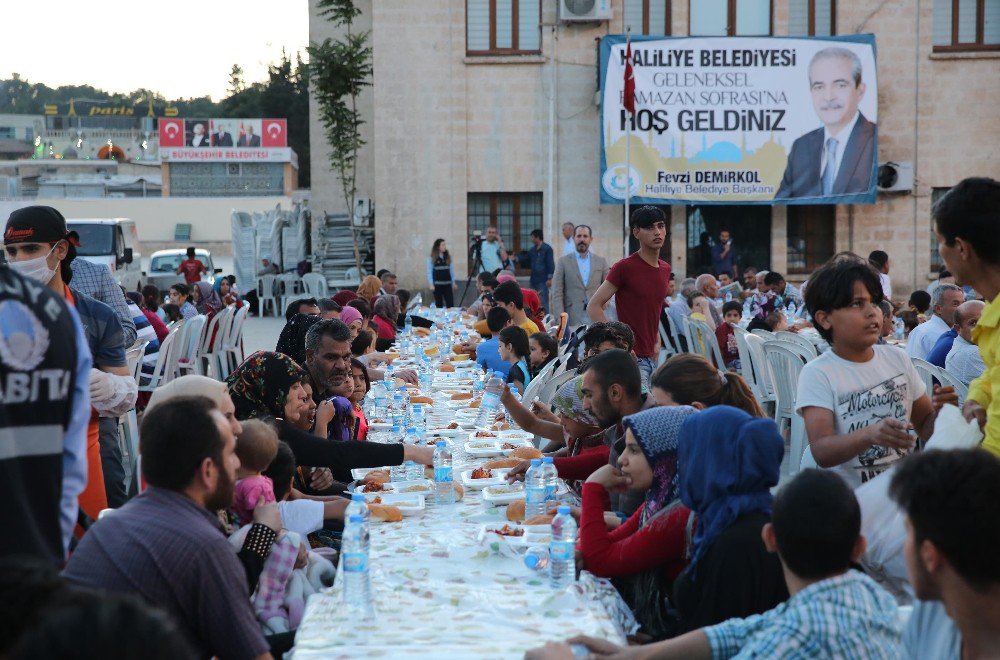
(261, 334)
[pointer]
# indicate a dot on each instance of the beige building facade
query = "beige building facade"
(458, 137)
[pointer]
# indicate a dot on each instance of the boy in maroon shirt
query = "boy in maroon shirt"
(732, 312)
(191, 268)
(639, 283)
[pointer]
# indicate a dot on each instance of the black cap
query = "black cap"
(38, 224)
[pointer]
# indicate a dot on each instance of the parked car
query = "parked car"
(111, 242)
(163, 267)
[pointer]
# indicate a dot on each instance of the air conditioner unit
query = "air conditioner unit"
(895, 177)
(582, 11)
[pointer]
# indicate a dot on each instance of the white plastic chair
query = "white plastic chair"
(927, 371)
(232, 345)
(765, 334)
(206, 362)
(548, 391)
(786, 361)
(266, 294)
(188, 345)
(289, 288)
(704, 342)
(946, 378)
(798, 340)
(750, 368)
(162, 371)
(676, 334)
(762, 370)
(315, 286)
(536, 384)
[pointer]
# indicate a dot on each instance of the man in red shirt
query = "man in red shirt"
(191, 268)
(640, 283)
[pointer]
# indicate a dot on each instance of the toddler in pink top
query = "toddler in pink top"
(256, 447)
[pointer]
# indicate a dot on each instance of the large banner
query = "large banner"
(223, 139)
(741, 120)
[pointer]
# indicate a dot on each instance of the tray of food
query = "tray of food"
(482, 448)
(482, 477)
(408, 503)
(503, 493)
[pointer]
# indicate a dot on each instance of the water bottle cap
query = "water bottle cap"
(411, 429)
(548, 459)
(535, 462)
(395, 429)
(357, 497)
(563, 509)
(355, 518)
(531, 561)
(443, 444)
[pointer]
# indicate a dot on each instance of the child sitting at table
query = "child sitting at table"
(859, 399)
(256, 447)
(361, 386)
(514, 350)
(488, 351)
(542, 349)
(363, 344)
(732, 312)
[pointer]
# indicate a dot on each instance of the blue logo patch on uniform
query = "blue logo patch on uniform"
(23, 338)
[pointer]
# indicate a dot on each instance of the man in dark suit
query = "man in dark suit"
(838, 158)
(248, 139)
(221, 137)
(198, 137)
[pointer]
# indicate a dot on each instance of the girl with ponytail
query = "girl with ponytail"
(689, 379)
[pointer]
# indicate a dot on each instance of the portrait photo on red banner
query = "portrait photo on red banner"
(171, 132)
(221, 135)
(249, 132)
(196, 133)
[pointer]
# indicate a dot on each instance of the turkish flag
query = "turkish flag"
(628, 98)
(171, 132)
(274, 132)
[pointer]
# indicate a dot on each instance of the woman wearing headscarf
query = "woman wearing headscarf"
(369, 288)
(728, 462)
(649, 550)
(386, 309)
(224, 288)
(269, 385)
(353, 319)
(208, 302)
(292, 340)
(343, 297)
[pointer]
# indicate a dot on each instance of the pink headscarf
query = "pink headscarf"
(506, 277)
(350, 314)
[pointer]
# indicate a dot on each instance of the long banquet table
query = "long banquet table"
(442, 591)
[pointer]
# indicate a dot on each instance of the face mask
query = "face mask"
(36, 269)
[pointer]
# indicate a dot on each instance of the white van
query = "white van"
(111, 242)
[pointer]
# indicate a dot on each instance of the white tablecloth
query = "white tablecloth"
(439, 592)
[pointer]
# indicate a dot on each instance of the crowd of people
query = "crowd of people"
(676, 464)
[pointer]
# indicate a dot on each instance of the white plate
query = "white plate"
(515, 435)
(359, 473)
(448, 433)
(504, 494)
(498, 478)
(487, 448)
(409, 504)
(533, 534)
(519, 443)
(419, 487)
(495, 437)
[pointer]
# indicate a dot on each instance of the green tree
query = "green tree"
(339, 69)
(236, 81)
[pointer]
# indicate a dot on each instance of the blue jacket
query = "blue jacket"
(941, 348)
(543, 263)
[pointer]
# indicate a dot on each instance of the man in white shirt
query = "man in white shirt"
(880, 262)
(569, 242)
(946, 300)
(964, 361)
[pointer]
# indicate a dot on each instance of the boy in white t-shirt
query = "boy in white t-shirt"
(859, 399)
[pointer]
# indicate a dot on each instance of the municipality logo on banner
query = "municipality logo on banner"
(740, 120)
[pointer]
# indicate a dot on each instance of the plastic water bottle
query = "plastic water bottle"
(729, 296)
(562, 549)
(414, 471)
(398, 409)
(419, 417)
(551, 479)
(354, 559)
(899, 330)
(791, 310)
(537, 558)
(381, 400)
(444, 488)
(397, 472)
(359, 507)
(534, 489)
(411, 437)
(747, 308)
(480, 380)
(490, 403)
(408, 325)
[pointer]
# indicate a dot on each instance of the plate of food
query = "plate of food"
(483, 447)
(408, 503)
(503, 494)
(375, 487)
(515, 435)
(419, 486)
(517, 535)
(509, 446)
(482, 477)
(484, 435)
(361, 473)
(453, 430)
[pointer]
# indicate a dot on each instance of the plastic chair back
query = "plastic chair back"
(315, 285)
(800, 341)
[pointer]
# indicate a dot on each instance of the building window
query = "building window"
(730, 18)
(650, 17)
(503, 27)
(936, 261)
(966, 25)
(810, 237)
(812, 18)
(513, 214)
(8, 132)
